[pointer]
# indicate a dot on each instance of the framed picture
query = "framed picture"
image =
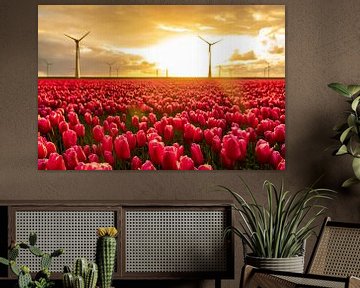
(161, 87)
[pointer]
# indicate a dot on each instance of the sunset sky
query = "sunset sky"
(141, 39)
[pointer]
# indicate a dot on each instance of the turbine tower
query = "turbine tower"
(77, 53)
(268, 69)
(47, 67)
(210, 44)
(110, 67)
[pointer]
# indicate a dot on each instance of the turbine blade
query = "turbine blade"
(70, 37)
(204, 40)
(216, 42)
(84, 36)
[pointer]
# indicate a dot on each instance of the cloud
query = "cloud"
(236, 56)
(276, 50)
(173, 28)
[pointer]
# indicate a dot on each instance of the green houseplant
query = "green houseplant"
(348, 132)
(276, 233)
(42, 278)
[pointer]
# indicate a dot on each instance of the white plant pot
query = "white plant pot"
(291, 264)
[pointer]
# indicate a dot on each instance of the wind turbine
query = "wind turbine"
(47, 67)
(210, 44)
(117, 71)
(110, 66)
(77, 53)
(267, 68)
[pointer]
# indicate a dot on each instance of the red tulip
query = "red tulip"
(196, 154)
(107, 143)
(169, 161)
(88, 118)
(178, 123)
(95, 121)
(141, 138)
(231, 147)
(55, 162)
(80, 130)
(205, 167)
(168, 133)
(186, 163)
(279, 133)
(216, 144)
(69, 138)
(98, 133)
(156, 151)
(189, 131)
(42, 151)
(50, 148)
(93, 166)
(148, 166)
(281, 165)
(42, 164)
(71, 159)
(143, 126)
(275, 159)
(263, 151)
(136, 163)
(80, 153)
(135, 121)
(93, 158)
(73, 118)
(283, 150)
(44, 125)
(122, 148)
(131, 138)
(109, 158)
(208, 135)
(54, 118)
(198, 135)
(63, 126)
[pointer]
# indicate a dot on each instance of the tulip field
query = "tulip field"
(161, 124)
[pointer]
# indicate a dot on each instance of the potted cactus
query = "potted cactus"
(84, 275)
(42, 278)
(106, 254)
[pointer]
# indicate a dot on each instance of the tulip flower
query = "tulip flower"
(42, 164)
(205, 167)
(98, 133)
(122, 148)
(80, 130)
(54, 118)
(80, 153)
(71, 160)
(141, 138)
(168, 133)
(148, 166)
(42, 151)
(88, 118)
(281, 165)
(263, 151)
(109, 158)
(131, 138)
(63, 126)
(93, 158)
(73, 118)
(55, 162)
(44, 125)
(50, 148)
(169, 161)
(186, 163)
(69, 138)
(275, 159)
(93, 166)
(107, 143)
(196, 154)
(136, 163)
(156, 151)
(279, 133)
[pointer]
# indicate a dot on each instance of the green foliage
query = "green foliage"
(349, 131)
(280, 229)
(42, 278)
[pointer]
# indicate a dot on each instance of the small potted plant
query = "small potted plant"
(275, 234)
(349, 131)
(42, 278)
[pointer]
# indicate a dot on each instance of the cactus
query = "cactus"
(80, 268)
(45, 261)
(79, 282)
(91, 276)
(68, 280)
(42, 278)
(105, 255)
(24, 279)
(88, 273)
